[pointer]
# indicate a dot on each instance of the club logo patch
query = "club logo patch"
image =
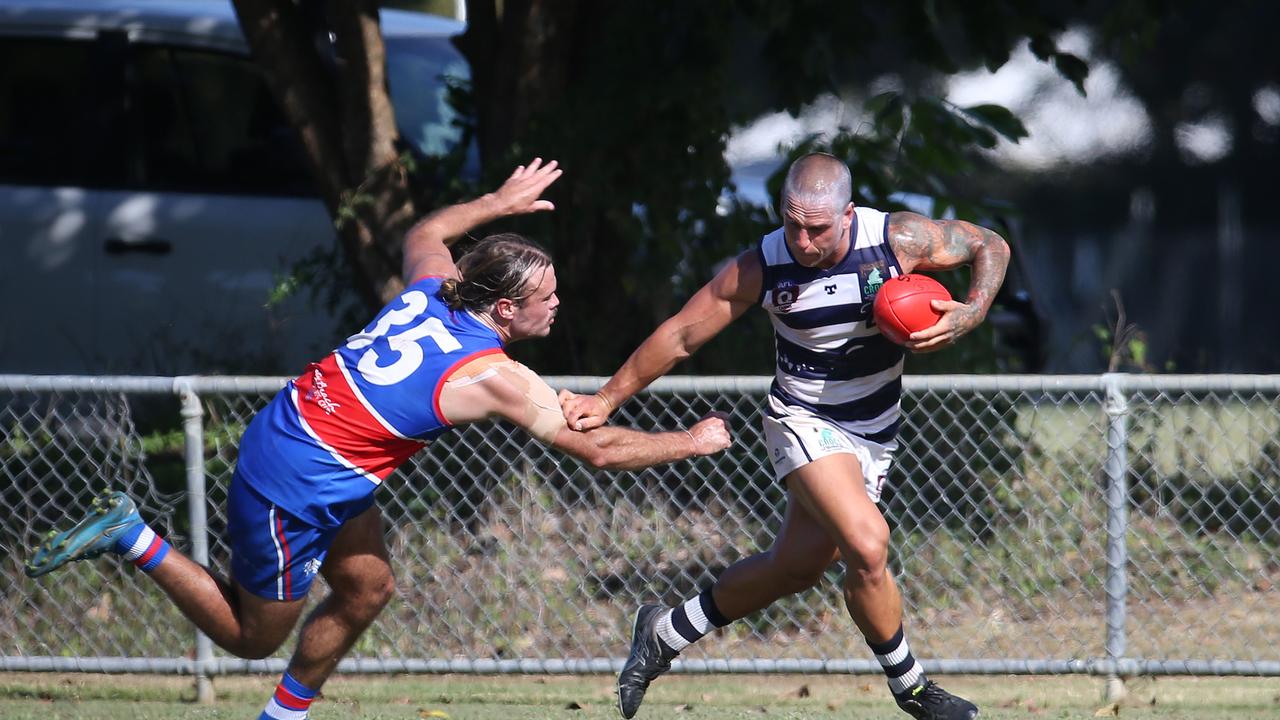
(872, 275)
(784, 295)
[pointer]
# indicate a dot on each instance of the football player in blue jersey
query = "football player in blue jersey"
(301, 500)
(831, 416)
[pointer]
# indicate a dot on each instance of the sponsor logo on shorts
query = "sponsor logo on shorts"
(311, 567)
(829, 439)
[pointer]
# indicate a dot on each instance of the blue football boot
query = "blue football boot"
(112, 515)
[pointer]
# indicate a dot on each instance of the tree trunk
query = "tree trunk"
(335, 94)
(519, 66)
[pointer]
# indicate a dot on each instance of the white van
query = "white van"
(152, 194)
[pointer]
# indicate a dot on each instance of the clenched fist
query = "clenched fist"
(712, 434)
(584, 412)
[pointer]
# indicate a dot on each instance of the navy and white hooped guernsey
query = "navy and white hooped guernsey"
(831, 358)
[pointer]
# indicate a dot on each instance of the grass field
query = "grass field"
(717, 697)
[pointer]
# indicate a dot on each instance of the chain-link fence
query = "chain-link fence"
(1093, 524)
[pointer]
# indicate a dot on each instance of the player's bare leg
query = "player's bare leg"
(833, 490)
(238, 621)
(834, 493)
(796, 561)
(800, 554)
(358, 570)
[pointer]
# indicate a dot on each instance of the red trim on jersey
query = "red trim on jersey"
(284, 544)
(424, 277)
(329, 405)
(444, 378)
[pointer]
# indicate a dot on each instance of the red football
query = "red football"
(903, 305)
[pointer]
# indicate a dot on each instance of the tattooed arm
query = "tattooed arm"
(923, 244)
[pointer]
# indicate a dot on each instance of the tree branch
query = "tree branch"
(279, 38)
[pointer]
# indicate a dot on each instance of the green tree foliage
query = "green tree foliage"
(639, 108)
(1155, 212)
(637, 100)
(325, 63)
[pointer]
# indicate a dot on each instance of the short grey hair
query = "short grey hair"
(819, 179)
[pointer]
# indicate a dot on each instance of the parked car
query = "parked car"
(152, 194)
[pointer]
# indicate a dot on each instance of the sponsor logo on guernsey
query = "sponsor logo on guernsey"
(319, 393)
(784, 295)
(874, 273)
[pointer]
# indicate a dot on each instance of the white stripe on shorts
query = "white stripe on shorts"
(271, 530)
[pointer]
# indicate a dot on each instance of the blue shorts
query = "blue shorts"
(274, 555)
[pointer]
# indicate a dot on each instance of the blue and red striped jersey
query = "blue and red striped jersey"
(334, 433)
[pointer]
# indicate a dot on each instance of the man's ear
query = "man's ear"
(504, 308)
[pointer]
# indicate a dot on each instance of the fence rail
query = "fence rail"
(1111, 525)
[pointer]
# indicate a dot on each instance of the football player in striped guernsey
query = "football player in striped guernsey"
(301, 501)
(831, 416)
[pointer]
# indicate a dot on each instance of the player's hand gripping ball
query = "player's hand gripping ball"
(903, 305)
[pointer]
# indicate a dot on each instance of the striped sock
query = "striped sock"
(685, 624)
(899, 664)
(290, 701)
(141, 546)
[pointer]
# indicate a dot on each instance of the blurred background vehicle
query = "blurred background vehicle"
(152, 195)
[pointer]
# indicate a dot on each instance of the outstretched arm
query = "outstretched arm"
(924, 244)
(498, 386)
(426, 245)
(710, 310)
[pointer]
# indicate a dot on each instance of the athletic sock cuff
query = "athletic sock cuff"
(290, 683)
(709, 609)
(888, 646)
(154, 555)
(131, 543)
(141, 546)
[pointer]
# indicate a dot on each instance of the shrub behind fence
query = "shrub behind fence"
(1101, 524)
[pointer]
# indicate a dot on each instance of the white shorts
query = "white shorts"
(796, 437)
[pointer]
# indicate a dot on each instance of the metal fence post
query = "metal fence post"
(197, 507)
(564, 525)
(1117, 499)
